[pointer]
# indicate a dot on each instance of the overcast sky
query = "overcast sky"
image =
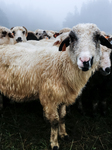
(43, 14)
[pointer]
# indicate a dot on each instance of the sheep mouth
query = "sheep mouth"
(106, 72)
(85, 68)
(87, 65)
(19, 40)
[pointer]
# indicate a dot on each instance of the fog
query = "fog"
(54, 15)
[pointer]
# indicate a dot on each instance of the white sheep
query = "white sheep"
(5, 36)
(20, 34)
(57, 78)
(64, 30)
(60, 38)
(41, 34)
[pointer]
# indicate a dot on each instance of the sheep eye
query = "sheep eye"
(23, 32)
(4, 33)
(96, 38)
(14, 32)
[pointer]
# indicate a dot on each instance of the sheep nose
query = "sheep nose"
(19, 39)
(87, 64)
(108, 70)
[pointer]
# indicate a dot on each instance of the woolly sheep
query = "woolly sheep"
(41, 43)
(64, 30)
(57, 78)
(20, 34)
(5, 36)
(41, 34)
(60, 38)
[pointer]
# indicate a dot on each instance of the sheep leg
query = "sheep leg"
(1, 102)
(95, 107)
(54, 135)
(80, 105)
(62, 129)
(51, 114)
(103, 106)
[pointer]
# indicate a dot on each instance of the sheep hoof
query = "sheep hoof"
(55, 148)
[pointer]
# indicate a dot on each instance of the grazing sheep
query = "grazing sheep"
(57, 78)
(5, 36)
(95, 95)
(20, 34)
(41, 34)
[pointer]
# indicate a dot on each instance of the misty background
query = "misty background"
(55, 15)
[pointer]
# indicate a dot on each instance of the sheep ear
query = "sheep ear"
(11, 28)
(64, 44)
(26, 31)
(10, 35)
(56, 34)
(56, 43)
(105, 42)
(110, 39)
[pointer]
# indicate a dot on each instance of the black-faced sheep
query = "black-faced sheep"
(19, 33)
(5, 36)
(57, 78)
(31, 36)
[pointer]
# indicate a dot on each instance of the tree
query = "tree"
(98, 12)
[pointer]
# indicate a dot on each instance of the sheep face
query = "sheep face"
(40, 34)
(20, 34)
(105, 61)
(84, 45)
(5, 35)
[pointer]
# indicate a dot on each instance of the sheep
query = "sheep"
(110, 39)
(5, 36)
(40, 34)
(64, 30)
(20, 34)
(51, 31)
(31, 36)
(56, 77)
(98, 88)
(60, 38)
(41, 43)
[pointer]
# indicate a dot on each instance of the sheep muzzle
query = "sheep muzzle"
(86, 65)
(105, 72)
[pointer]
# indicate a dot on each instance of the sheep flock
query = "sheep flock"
(53, 67)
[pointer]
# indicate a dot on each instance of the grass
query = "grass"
(22, 127)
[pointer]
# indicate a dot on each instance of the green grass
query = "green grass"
(22, 127)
